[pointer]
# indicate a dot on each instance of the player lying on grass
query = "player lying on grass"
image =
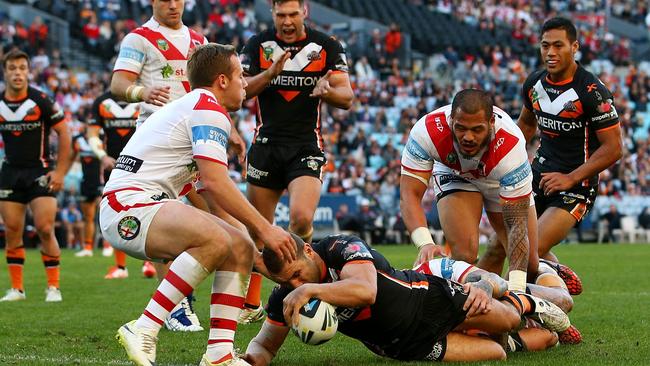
(548, 286)
(401, 314)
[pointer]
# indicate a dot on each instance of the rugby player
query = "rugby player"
(28, 175)
(580, 137)
(141, 212)
(292, 70)
(478, 159)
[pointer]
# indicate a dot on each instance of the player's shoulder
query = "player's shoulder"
(502, 120)
(587, 83)
(533, 77)
(38, 95)
(322, 38)
(205, 105)
(261, 37)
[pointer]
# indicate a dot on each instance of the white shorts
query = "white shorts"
(447, 182)
(125, 216)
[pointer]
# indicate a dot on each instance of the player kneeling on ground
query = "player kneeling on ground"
(141, 212)
(401, 314)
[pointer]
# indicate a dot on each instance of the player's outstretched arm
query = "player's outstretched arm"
(515, 219)
(488, 281)
(222, 189)
(262, 349)
(412, 187)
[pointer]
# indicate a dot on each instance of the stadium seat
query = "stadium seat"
(629, 228)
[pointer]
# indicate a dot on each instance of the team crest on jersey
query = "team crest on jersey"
(313, 56)
(268, 53)
(452, 158)
(568, 200)
(166, 71)
(356, 250)
(570, 106)
(162, 45)
(534, 97)
(128, 227)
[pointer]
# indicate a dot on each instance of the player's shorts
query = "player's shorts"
(23, 185)
(90, 188)
(125, 216)
(442, 312)
(446, 182)
(275, 166)
(577, 201)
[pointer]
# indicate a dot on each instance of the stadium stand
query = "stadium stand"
(457, 45)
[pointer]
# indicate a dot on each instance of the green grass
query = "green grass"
(612, 314)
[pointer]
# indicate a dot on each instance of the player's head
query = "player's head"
(16, 69)
(289, 19)
(558, 45)
(217, 67)
(305, 269)
(472, 120)
(168, 12)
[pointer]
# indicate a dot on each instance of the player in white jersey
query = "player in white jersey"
(478, 159)
(141, 214)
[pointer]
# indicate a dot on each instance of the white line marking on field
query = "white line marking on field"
(71, 360)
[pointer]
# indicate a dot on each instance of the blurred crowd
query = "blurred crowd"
(363, 145)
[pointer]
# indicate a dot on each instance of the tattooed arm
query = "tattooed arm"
(515, 218)
(487, 281)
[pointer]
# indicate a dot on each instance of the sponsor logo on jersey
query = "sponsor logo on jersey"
(166, 71)
(131, 54)
(556, 125)
(356, 250)
(447, 268)
(162, 45)
(160, 196)
(605, 106)
(290, 80)
(591, 87)
(416, 151)
(128, 163)
(120, 123)
(4, 193)
(436, 352)
(128, 227)
(19, 127)
(513, 178)
(210, 135)
(450, 178)
(568, 200)
(552, 90)
(255, 173)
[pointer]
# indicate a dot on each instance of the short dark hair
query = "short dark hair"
(14, 55)
(472, 101)
(274, 264)
(275, 2)
(208, 62)
(560, 23)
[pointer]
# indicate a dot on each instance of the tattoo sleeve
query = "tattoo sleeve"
(497, 284)
(515, 217)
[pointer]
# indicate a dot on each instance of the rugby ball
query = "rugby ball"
(317, 323)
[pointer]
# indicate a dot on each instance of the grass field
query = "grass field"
(612, 314)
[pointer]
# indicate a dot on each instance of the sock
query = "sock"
(120, 259)
(183, 276)
(517, 281)
(226, 303)
(51, 264)
(88, 245)
(521, 302)
(105, 244)
(15, 262)
(254, 293)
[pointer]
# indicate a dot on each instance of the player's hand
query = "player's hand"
(55, 180)
(158, 95)
(555, 182)
(279, 241)
(294, 301)
(277, 66)
(429, 252)
(108, 163)
(322, 87)
(238, 145)
(478, 301)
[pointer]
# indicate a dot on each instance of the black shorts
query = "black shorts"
(90, 190)
(442, 313)
(274, 166)
(577, 201)
(22, 185)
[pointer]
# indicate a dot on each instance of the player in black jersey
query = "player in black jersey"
(28, 175)
(580, 136)
(291, 69)
(401, 314)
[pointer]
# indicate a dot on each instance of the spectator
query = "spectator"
(613, 218)
(393, 41)
(644, 218)
(37, 33)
